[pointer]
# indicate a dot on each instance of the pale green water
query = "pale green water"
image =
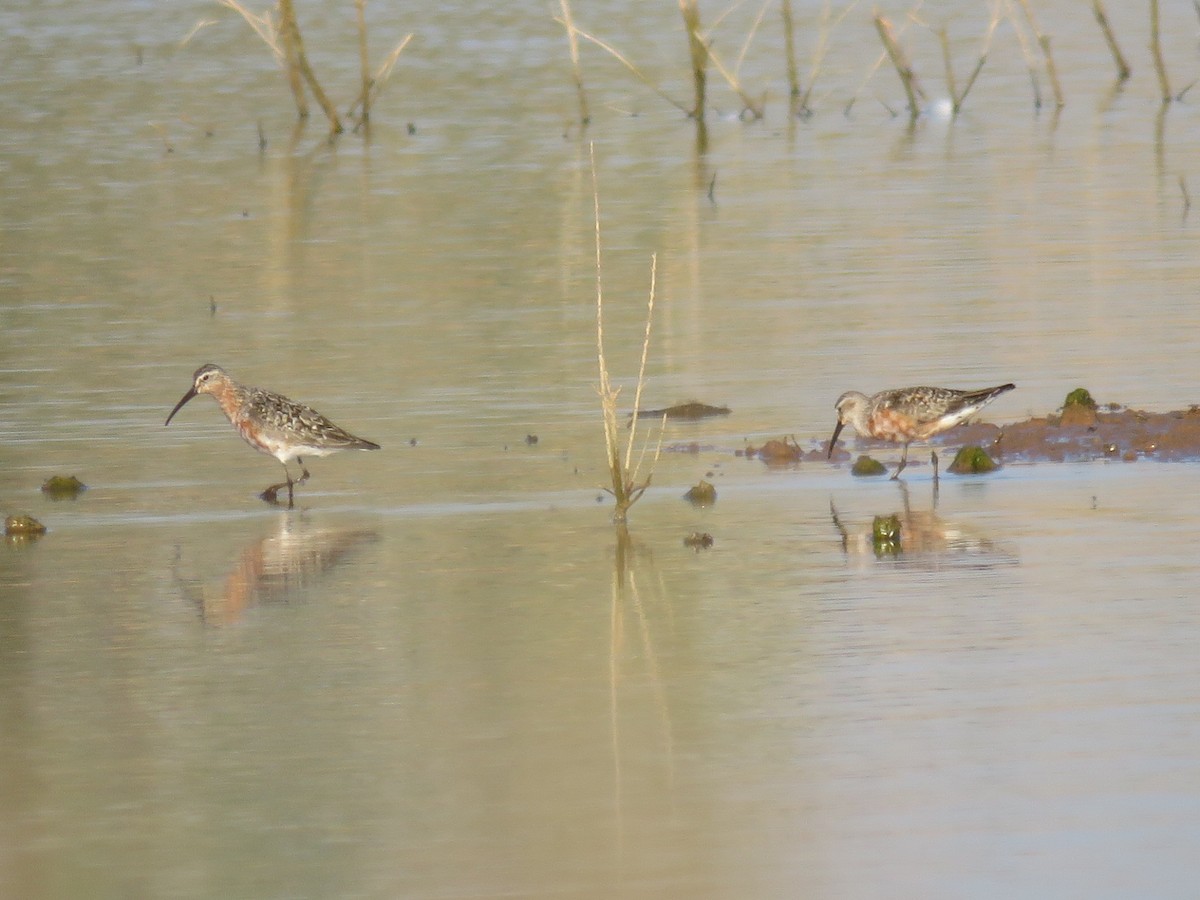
(441, 676)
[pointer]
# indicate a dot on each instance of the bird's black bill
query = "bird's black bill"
(178, 406)
(832, 440)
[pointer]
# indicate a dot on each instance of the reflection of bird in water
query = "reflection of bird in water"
(272, 424)
(275, 568)
(925, 539)
(909, 414)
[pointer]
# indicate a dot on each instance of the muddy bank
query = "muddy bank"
(1112, 432)
(1078, 433)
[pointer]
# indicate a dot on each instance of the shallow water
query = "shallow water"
(443, 674)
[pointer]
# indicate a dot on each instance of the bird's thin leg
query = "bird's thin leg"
(304, 476)
(933, 459)
(903, 463)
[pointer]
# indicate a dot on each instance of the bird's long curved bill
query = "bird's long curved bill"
(829, 455)
(178, 406)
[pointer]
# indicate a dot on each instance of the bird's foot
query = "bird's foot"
(271, 494)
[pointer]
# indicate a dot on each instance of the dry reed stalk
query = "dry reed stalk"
(623, 60)
(1123, 70)
(626, 489)
(1160, 67)
(789, 52)
(900, 61)
(264, 26)
(956, 98)
(577, 72)
(374, 85)
(1030, 65)
(360, 7)
(292, 39)
(698, 51)
(755, 108)
(1043, 41)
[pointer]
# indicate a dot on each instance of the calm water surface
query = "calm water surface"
(444, 674)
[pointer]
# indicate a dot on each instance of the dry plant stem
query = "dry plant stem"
(1160, 67)
(623, 60)
(748, 102)
(1043, 41)
(789, 50)
(360, 7)
(625, 488)
(1023, 40)
(289, 37)
(758, 20)
(900, 61)
(291, 30)
(1123, 70)
(698, 51)
(263, 26)
(944, 40)
(375, 84)
(637, 394)
(956, 97)
(577, 72)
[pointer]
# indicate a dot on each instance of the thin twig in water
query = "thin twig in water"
(1023, 41)
(375, 84)
(1160, 67)
(900, 61)
(789, 53)
(577, 72)
(623, 60)
(364, 66)
(698, 51)
(1043, 41)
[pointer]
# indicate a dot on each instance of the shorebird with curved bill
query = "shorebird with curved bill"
(910, 414)
(272, 424)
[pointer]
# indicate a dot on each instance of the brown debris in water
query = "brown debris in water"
(22, 527)
(775, 452)
(690, 411)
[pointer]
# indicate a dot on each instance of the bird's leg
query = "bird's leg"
(304, 477)
(903, 463)
(933, 459)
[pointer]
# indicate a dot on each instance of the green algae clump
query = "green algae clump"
(1080, 397)
(63, 487)
(865, 467)
(702, 494)
(1079, 410)
(972, 461)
